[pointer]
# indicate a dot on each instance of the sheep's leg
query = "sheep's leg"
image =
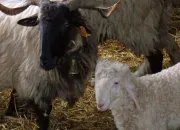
(11, 111)
(166, 40)
(43, 116)
(143, 69)
(155, 61)
(16, 105)
(151, 65)
(173, 50)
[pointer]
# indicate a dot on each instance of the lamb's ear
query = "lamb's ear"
(129, 86)
(29, 21)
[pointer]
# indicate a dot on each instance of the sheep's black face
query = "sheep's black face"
(54, 29)
(58, 26)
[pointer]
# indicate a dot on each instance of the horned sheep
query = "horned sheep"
(149, 102)
(142, 26)
(54, 59)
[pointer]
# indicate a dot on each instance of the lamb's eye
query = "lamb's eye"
(116, 83)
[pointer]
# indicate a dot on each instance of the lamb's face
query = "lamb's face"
(107, 91)
(111, 80)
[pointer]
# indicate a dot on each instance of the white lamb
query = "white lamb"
(150, 102)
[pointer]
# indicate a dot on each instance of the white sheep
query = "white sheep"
(150, 102)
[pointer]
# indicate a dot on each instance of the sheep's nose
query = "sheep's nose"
(44, 62)
(100, 105)
(47, 64)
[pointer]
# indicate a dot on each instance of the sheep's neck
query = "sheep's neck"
(121, 112)
(120, 105)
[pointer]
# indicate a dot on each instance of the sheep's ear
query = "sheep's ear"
(106, 12)
(129, 86)
(29, 21)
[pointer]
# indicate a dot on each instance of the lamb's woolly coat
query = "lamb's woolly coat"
(141, 25)
(156, 104)
(19, 63)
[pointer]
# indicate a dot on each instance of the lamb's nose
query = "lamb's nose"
(100, 105)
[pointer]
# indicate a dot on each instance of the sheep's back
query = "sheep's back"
(134, 23)
(159, 92)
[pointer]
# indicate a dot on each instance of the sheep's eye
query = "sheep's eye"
(116, 83)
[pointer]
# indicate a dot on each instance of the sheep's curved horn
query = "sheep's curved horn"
(14, 11)
(106, 11)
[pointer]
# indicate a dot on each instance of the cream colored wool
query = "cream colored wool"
(150, 102)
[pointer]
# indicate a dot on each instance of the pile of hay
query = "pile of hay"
(84, 115)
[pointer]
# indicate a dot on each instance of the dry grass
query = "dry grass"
(84, 115)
